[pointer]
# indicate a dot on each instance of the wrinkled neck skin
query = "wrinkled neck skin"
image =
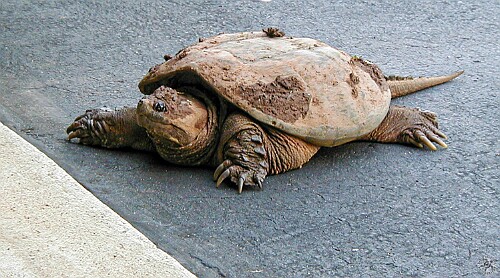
(178, 144)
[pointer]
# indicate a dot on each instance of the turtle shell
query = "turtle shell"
(298, 85)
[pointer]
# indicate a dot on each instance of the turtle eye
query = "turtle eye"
(159, 106)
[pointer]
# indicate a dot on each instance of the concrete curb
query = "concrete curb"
(50, 226)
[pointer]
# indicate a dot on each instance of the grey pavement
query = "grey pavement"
(51, 226)
(358, 210)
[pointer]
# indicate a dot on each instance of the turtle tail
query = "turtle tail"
(402, 86)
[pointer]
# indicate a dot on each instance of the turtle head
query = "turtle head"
(172, 118)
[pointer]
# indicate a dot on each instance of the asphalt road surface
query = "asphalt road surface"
(361, 209)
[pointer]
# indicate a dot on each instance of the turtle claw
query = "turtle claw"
(426, 133)
(409, 126)
(84, 129)
(415, 143)
(259, 182)
(436, 139)
(423, 138)
(90, 128)
(221, 168)
(239, 175)
(441, 134)
(240, 184)
(223, 176)
(440, 142)
(78, 133)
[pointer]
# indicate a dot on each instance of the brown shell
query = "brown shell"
(298, 85)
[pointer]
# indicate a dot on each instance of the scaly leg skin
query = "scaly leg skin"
(408, 126)
(242, 152)
(111, 129)
(248, 152)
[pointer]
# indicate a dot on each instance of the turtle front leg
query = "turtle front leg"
(111, 129)
(242, 152)
(248, 152)
(408, 126)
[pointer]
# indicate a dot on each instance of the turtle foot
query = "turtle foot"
(425, 132)
(409, 126)
(90, 128)
(245, 161)
(239, 175)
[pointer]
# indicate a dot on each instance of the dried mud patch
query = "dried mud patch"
(285, 98)
(373, 70)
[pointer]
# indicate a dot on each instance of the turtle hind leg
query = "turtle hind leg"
(408, 126)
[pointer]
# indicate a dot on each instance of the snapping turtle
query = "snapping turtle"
(258, 103)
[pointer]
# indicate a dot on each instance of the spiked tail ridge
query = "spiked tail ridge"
(402, 86)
